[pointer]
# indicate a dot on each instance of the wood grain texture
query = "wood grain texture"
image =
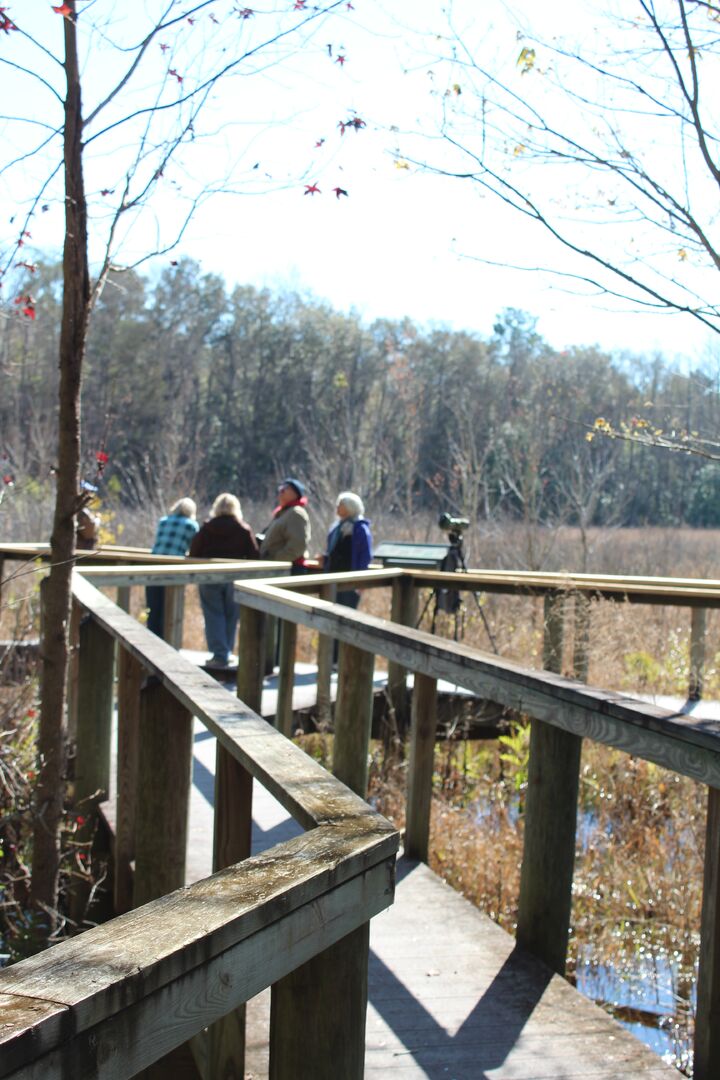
(151, 979)
(420, 767)
(163, 794)
(707, 1021)
(286, 678)
(94, 711)
(324, 666)
(317, 1019)
(680, 743)
(546, 877)
(353, 717)
(130, 678)
(698, 622)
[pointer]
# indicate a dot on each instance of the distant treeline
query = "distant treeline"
(190, 387)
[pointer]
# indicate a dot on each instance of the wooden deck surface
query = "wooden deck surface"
(450, 997)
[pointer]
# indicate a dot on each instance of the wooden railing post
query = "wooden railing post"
(286, 678)
(420, 771)
(324, 666)
(130, 677)
(225, 1054)
(94, 710)
(73, 669)
(318, 1011)
(163, 793)
(581, 637)
(353, 717)
(251, 657)
(403, 611)
(173, 614)
(553, 636)
(96, 664)
(550, 822)
(707, 1029)
(697, 652)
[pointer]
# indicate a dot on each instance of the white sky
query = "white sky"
(402, 242)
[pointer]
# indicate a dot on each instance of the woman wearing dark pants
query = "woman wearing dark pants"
(223, 536)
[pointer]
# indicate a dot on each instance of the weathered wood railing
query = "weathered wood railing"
(562, 711)
(122, 995)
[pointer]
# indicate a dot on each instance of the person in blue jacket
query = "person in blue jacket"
(349, 543)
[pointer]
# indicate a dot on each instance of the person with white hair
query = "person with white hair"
(349, 543)
(223, 536)
(173, 536)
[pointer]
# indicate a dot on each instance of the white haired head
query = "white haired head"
(352, 503)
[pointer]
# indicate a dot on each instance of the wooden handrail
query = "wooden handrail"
(563, 711)
(156, 976)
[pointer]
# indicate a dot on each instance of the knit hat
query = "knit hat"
(290, 482)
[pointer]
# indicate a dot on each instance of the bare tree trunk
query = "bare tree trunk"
(50, 790)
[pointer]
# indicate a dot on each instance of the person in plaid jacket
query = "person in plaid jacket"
(172, 537)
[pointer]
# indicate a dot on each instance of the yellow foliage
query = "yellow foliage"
(526, 60)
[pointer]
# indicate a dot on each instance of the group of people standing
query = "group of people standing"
(226, 535)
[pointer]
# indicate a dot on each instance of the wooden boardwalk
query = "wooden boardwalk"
(450, 996)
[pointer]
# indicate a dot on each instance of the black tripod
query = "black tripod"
(450, 600)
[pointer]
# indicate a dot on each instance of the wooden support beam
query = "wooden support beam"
(130, 678)
(286, 678)
(173, 614)
(549, 843)
(353, 717)
(553, 636)
(251, 658)
(324, 666)
(163, 798)
(420, 771)
(94, 711)
(123, 597)
(581, 637)
(92, 746)
(225, 1039)
(73, 668)
(404, 610)
(707, 1019)
(550, 821)
(317, 1016)
(698, 622)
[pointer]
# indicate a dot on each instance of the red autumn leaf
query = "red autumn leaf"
(29, 311)
(311, 189)
(5, 23)
(163, 47)
(106, 191)
(31, 714)
(355, 122)
(246, 13)
(349, 6)
(9, 482)
(101, 457)
(28, 266)
(191, 21)
(299, 5)
(340, 60)
(80, 819)
(64, 9)
(319, 143)
(172, 71)
(339, 191)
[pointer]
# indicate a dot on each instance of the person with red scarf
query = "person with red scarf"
(287, 537)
